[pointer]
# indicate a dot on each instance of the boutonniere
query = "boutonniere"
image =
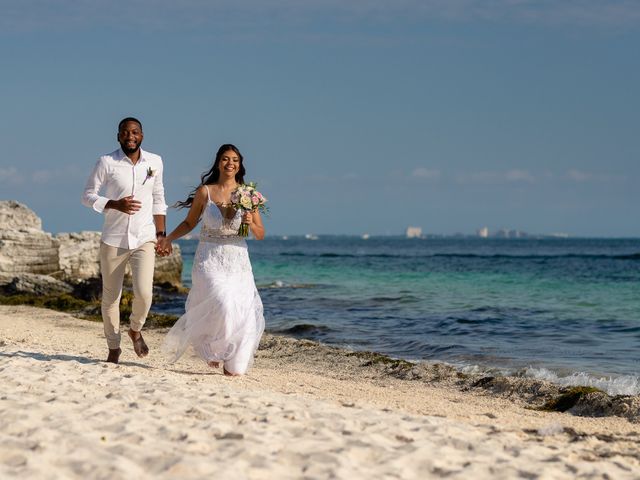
(150, 174)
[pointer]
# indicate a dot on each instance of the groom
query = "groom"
(134, 217)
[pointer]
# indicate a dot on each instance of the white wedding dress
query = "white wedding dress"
(224, 319)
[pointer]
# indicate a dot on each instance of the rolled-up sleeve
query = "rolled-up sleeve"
(159, 205)
(90, 197)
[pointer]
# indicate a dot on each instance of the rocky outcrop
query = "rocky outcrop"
(17, 216)
(79, 260)
(12, 284)
(168, 270)
(24, 247)
(79, 255)
(34, 261)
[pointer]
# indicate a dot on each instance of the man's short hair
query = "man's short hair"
(129, 119)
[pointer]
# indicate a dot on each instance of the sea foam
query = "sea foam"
(622, 385)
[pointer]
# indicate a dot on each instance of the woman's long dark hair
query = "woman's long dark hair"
(210, 177)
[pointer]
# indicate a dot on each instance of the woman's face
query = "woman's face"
(229, 164)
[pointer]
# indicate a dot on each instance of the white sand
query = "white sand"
(66, 414)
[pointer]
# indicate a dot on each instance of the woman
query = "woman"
(223, 320)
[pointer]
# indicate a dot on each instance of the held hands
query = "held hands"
(126, 205)
(163, 247)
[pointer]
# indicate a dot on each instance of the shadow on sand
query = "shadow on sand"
(42, 357)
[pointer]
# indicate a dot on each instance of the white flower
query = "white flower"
(246, 202)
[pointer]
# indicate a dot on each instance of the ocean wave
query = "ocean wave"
(622, 385)
(304, 330)
(588, 256)
(395, 299)
(281, 284)
(344, 255)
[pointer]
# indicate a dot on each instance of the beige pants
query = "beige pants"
(113, 262)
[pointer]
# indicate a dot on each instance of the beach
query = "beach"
(303, 411)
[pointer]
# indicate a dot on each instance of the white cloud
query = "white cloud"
(321, 178)
(425, 173)
(10, 176)
(580, 176)
(519, 176)
(63, 175)
(249, 14)
(496, 178)
(41, 176)
(316, 178)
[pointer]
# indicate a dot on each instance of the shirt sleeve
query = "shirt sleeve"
(90, 197)
(159, 205)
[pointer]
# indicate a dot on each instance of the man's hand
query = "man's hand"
(126, 205)
(163, 247)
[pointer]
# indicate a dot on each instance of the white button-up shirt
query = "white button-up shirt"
(117, 177)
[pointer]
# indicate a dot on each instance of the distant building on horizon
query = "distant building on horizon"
(483, 232)
(506, 233)
(414, 232)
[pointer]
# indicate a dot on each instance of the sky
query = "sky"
(353, 116)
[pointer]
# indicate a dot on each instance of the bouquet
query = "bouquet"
(247, 199)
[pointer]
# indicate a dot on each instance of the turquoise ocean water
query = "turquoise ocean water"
(567, 310)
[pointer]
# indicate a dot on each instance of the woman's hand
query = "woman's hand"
(163, 247)
(255, 224)
(248, 218)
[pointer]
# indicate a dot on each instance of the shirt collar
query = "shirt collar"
(123, 156)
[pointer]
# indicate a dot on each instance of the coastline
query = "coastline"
(305, 409)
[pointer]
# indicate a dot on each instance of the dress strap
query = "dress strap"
(208, 195)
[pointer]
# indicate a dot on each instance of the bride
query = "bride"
(223, 321)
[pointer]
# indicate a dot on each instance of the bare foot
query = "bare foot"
(229, 374)
(213, 364)
(139, 346)
(114, 355)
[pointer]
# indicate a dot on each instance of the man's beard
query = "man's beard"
(128, 150)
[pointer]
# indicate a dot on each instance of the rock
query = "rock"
(599, 404)
(29, 283)
(16, 216)
(24, 247)
(79, 255)
(169, 269)
(80, 260)
(26, 250)
(89, 290)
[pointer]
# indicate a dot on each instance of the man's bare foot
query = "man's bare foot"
(139, 346)
(229, 374)
(213, 364)
(114, 355)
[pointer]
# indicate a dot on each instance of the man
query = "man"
(134, 217)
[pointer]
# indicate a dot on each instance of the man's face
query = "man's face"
(130, 137)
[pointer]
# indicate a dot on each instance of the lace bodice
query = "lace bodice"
(215, 225)
(221, 250)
